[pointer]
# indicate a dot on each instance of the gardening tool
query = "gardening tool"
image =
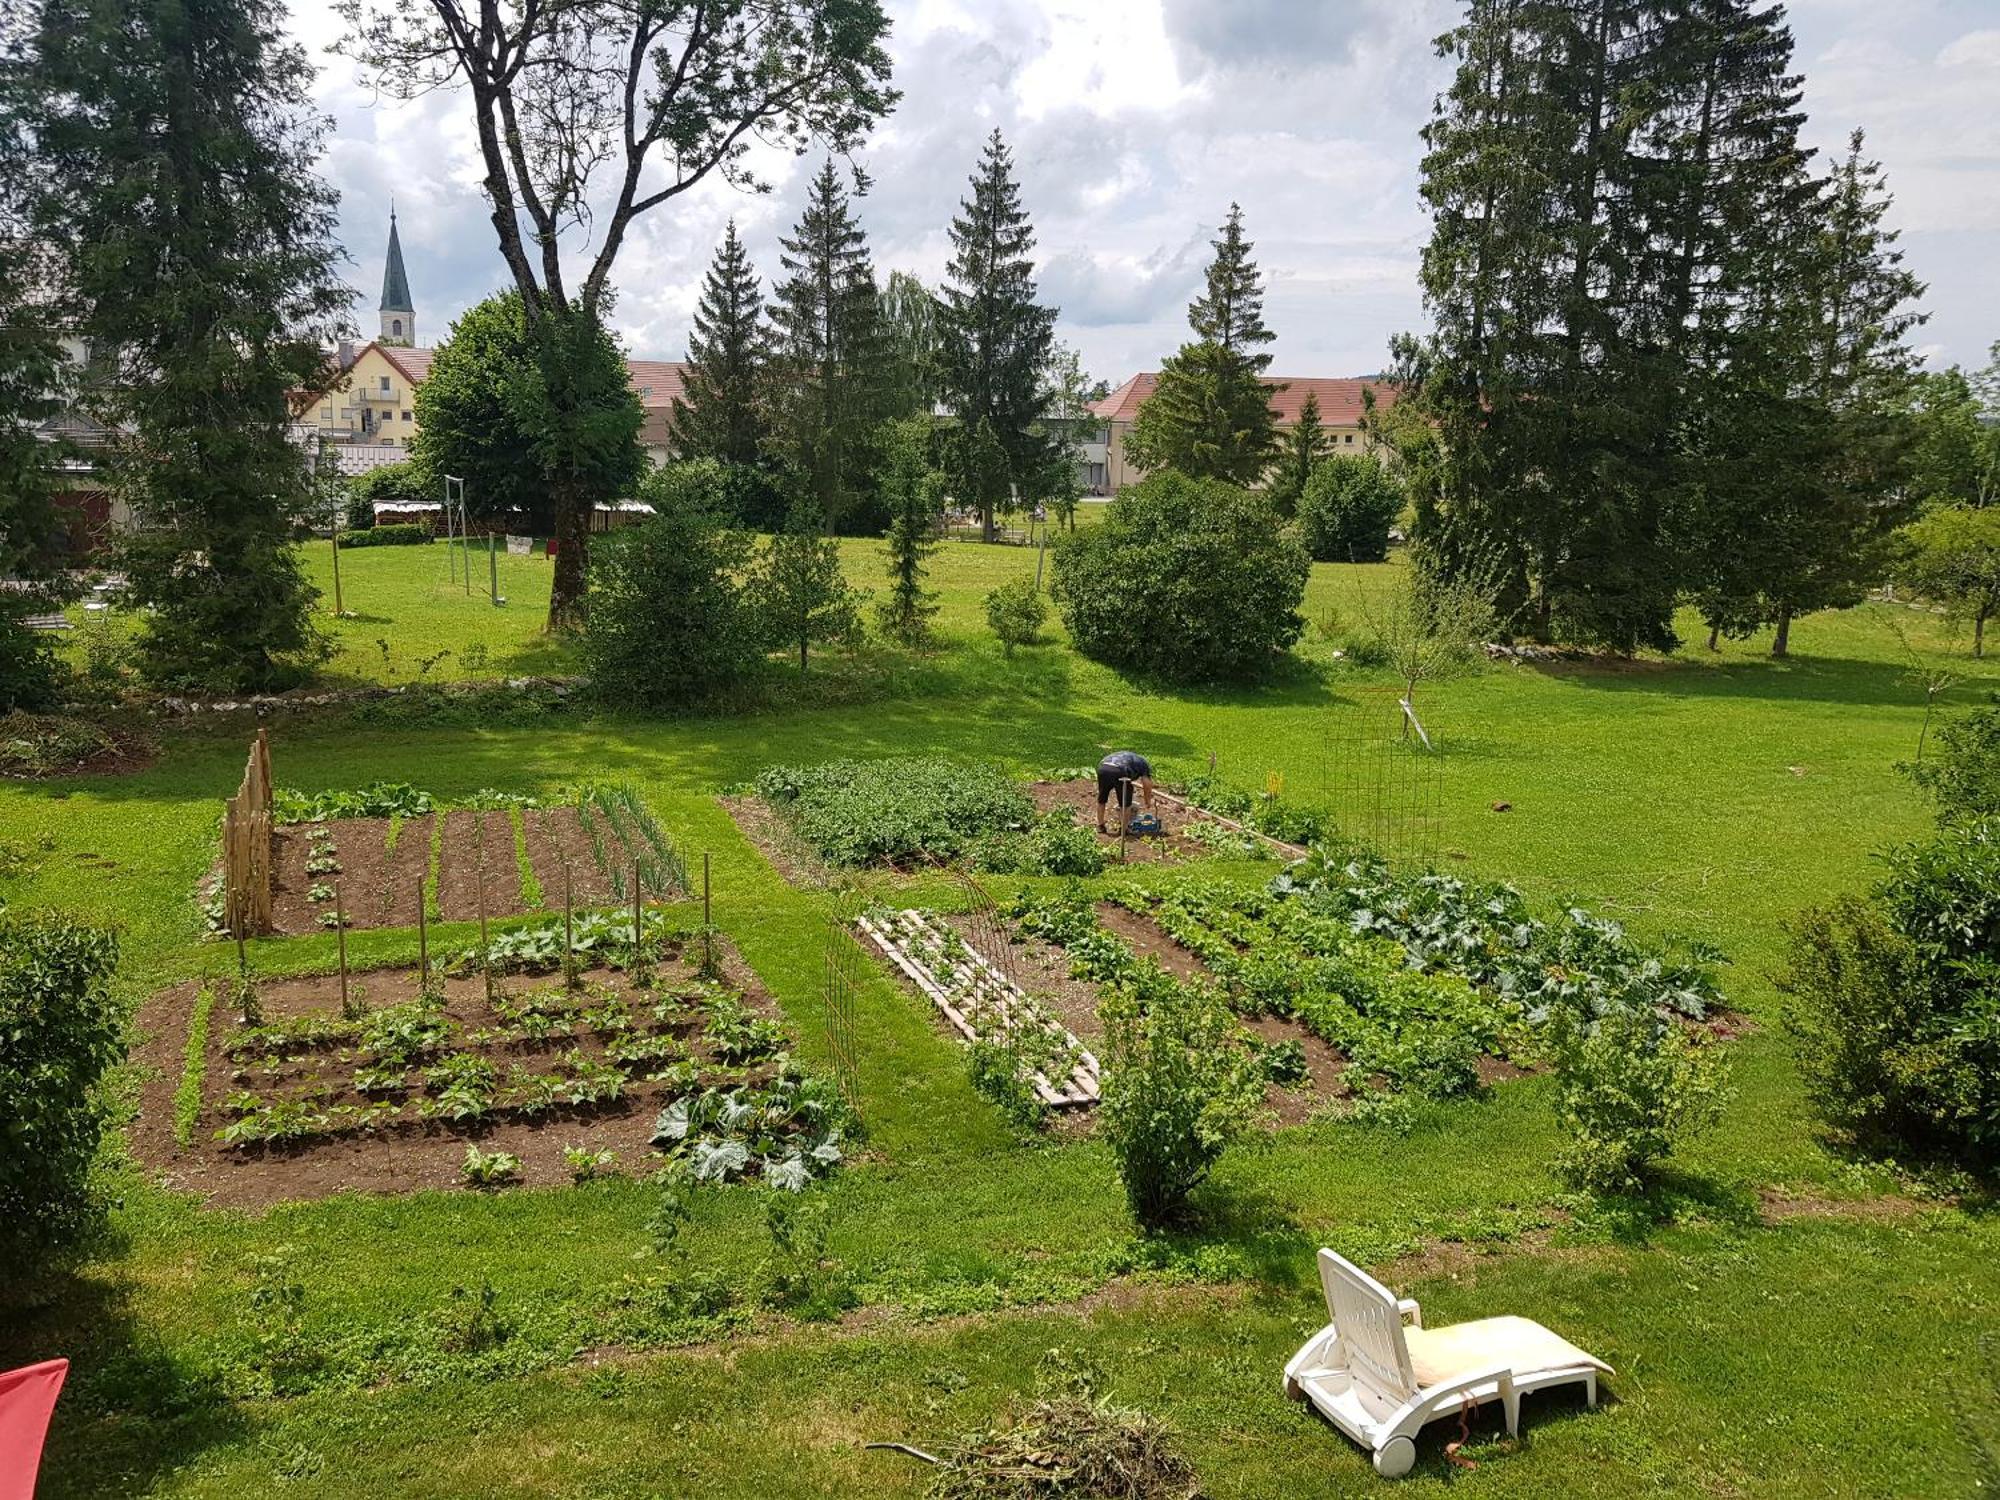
(1144, 825)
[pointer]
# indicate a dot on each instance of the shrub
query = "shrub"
(59, 1031)
(1175, 1091)
(1965, 777)
(1056, 845)
(1893, 998)
(855, 812)
(31, 676)
(669, 620)
(1347, 509)
(1629, 1086)
(1188, 579)
(411, 534)
(386, 483)
(1016, 612)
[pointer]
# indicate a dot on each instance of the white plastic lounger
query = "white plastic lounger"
(1379, 1380)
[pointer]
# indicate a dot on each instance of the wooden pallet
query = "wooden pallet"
(991, 991)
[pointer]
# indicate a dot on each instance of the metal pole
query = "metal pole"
(338, 608)
(493, 570)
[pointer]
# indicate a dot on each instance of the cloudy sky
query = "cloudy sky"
(1134, 123)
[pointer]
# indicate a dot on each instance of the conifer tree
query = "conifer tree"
(826, 366)
(1210, 415)
(719, 413)
(800, 588)
(174, 177)
(994, 343)
(1301, 450)
(915, 494)
(1230, 310)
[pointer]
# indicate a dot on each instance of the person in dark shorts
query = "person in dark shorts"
(1117, 774)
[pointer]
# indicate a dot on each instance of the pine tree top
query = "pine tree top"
(1230, 311)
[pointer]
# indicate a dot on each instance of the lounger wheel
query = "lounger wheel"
(1395, 1458)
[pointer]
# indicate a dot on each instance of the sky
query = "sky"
(1135, 123)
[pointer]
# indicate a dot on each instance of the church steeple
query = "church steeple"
(399, 312)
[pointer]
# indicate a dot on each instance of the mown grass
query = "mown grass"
(1709, 795)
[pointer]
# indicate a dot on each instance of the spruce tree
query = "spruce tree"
(1230, 310)
(1210, 415)
(915, 494)
(1301, 450)
(994, 344)
(174, 176)
(798, 585)
(826, 372)
(719, 413)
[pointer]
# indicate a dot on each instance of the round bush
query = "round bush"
(1347, 509)
(1191, 580)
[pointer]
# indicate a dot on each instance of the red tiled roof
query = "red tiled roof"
(1339, 400)
(658, 381)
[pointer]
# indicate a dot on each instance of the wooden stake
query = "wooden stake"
(569, 934)
(340, 939)
(479, 883)
(337, 607)
(707, 923)
(638, 928)
(1124, 818)
(423, 935)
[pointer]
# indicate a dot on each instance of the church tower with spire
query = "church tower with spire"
(399, 313)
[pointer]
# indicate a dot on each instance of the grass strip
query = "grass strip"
(531, 888)
(432, 913)
(187, 1095)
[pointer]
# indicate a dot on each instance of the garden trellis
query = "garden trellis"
(1382, 773)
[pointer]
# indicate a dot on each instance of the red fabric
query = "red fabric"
(27, 1397)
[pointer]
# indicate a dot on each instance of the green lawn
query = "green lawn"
(1707, 795)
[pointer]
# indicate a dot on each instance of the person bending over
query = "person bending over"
(1117, 774)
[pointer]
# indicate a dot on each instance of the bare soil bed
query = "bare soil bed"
(381, 887)
(1172, 846)
(408, 1154)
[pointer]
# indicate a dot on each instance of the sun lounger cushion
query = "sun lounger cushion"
(1520, 1344)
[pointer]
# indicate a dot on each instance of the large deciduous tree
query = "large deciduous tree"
(910, 333)
(192, 248)
(827, 363)
(466, 416)
(589, 114)
(994, 344)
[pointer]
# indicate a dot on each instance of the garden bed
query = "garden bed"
(1079, 798)
(387, 1098)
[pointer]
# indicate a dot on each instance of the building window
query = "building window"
(409, 416)
(385, 385)
(1349, 438)
(396, 327)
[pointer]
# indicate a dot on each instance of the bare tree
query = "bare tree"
(591, 113)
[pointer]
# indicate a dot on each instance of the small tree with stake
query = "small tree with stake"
(915, 494)
(801, 589)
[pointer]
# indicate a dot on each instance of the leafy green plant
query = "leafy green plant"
(194, 1064)
(587, 1165)
(285, 1359)
(1056, 845)
(1175, 1092)
(432, 911)
(388, 1080)
(531, 886)
(461, 1087)
(379, 799)
(488, 1169)
(1630, 1085)
(393, 534)
(591, 1081)
(738, 1036)
(1282, 1063)
(60, 1029)
(398, 1035)
(279, 1121)
(901, 810)
(1347, 508)
(1016, 612)
(799, 1276)
(1001, 1074)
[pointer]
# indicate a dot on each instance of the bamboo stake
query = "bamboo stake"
(340, 940)
(638, 928)
(423, 940)
(707, 923)
(479, 882)
(569, 933)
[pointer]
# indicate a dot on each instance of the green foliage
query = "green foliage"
(799, 587)
(914, 491)
(719, 414)
(1894, 1000)
(670, 622)
(488, 1169)
(1186, 579)
(1347, 508)
(1302, 448)
(1016, 611)
(994, 343)
(788, 1132)
(1964, 777)
(587, 1165)
(400, 534)
(1953, 556)
(386, 483)
(31, 675)
(379, 799)
(1055, 845)
(898, 810)
(1208, 418)
(531, 885)
(1002, 1076)
(1175, 1093)
(194, 1063)
(60, 1029)
(468, 423)
(1630, 1086)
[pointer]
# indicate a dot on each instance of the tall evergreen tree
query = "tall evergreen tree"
(1210, 415)
(994, 344)
(1301, 450)
(174, 177)
(1230, 310)
(720, 414)
(826, 366)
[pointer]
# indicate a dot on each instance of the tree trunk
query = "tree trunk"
(1782, 645)
(804, 641)
(988, 532)
(1714, 637)
(1979, 634)
(572, 557)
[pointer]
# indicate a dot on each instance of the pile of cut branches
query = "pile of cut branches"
(1071, 1445)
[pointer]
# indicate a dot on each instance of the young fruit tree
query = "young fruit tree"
(591, 114)
(799, 586)
(1953, 556)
